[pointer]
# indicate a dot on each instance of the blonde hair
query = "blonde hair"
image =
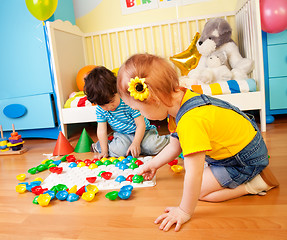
(160, 77)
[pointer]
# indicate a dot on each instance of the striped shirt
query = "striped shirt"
(122, 119)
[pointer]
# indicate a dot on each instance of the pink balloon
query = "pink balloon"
(273, 15)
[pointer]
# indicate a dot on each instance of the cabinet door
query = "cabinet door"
(33, 118)
(23, 55)
(277, 38)
(277, 60)
(278, 93)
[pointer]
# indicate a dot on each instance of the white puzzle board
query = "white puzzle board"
(77, 176)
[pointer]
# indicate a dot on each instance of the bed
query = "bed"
(71, 49)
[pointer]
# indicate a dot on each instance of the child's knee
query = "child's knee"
(116, 151)
(118, 147)
(154, 146)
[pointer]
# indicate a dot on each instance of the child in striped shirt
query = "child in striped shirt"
(133, 133)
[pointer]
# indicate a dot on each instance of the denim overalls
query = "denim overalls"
(245, 165)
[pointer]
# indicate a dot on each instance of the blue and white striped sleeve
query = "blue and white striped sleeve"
(134, 113)
(100, 114)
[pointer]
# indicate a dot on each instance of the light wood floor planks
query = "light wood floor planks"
(249, 217)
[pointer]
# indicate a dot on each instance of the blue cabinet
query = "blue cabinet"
(27, 97)
(275, 72)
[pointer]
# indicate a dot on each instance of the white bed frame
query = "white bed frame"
(71, 49)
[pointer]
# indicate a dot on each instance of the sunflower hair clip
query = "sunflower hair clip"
(138, 89)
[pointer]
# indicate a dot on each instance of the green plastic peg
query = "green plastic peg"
(137, 178)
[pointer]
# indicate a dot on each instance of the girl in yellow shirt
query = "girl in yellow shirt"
(203, 129)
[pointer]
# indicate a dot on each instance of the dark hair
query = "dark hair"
(100, 85)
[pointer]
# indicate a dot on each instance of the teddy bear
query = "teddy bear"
(216, 70)
(215, 40)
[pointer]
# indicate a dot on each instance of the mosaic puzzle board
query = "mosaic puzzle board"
(77, 176)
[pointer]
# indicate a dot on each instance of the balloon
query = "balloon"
(273, 15)
(42, 9)
(189, 58)
(83, 72)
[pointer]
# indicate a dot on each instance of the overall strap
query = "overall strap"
(191, 103)
(202, 100)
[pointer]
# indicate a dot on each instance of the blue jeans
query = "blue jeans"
(151, 144)
(246, 164)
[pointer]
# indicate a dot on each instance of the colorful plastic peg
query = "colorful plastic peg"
(173, 162)
(91, 188)
(81, 191)
(38, 190)
(62, 195)
(71, 158)
(120, 179)
(72, 197)
(81, 164)
(44, 199)
(124, 194)
(137, 178)
(88, 162)
(139, 162)
(21, 177)
(93, 166)
(61, 187)
(99, 163)
(72, 165)
(91, 179)
(51, 193)
(123, 166)
(130, 178)
(32, 170)
(176, 168)
(88, 196)
(127, 188)
(106, 175)
(21, 188)
(112, 195)
(73, 189)
(41, 168)
(107, 162)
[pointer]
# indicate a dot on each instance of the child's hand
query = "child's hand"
(134, 150)
(148, 171)
(173, 215)
(101, 155)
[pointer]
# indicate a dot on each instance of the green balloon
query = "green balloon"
(42, 9)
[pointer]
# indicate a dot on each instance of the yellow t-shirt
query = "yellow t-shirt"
(219, 131)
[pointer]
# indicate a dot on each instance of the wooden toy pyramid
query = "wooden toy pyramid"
(63, 147)
(12, 146)
(84, 143)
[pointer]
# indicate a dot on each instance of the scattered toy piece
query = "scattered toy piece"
(21, 177)
(44, 199)
(176, 168)
(112, 195)
(173, 162)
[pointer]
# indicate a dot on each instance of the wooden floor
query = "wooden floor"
(248, 217)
